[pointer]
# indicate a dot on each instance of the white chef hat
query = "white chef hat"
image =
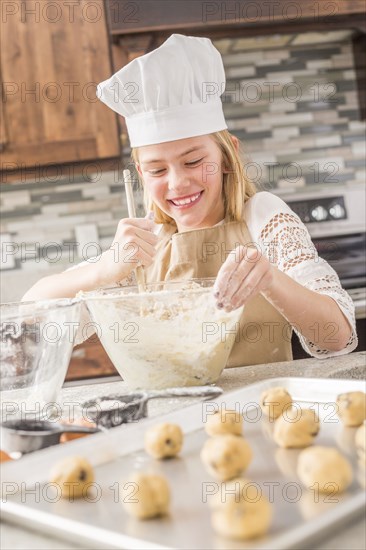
(173, 92)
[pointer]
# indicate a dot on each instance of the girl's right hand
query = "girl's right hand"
(133, 244)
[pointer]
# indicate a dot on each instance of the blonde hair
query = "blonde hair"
(236, 187)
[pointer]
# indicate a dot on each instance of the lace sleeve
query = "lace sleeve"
(286, 242)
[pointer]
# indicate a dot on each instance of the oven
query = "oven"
(335, 219)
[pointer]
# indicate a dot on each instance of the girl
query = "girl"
(212, 221)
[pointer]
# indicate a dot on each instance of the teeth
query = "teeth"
(187, 200)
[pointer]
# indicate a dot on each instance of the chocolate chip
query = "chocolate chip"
(82, 475)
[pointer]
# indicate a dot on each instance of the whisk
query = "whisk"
(139, 270)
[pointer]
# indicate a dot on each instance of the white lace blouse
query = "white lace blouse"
(280, 234)
(284, 239)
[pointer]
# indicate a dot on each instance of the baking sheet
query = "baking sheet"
(104, 523)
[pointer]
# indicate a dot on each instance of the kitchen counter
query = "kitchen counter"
(349, 366)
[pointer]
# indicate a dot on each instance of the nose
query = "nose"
(178, 180)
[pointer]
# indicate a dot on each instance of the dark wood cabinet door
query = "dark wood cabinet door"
(199, 17)
(90, 360)
(51, 61)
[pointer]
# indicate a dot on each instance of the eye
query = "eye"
(156, 172)
(194, 162)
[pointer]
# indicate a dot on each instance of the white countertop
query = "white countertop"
(353, 537)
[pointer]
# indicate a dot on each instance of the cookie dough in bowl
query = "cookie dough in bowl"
(172, 335)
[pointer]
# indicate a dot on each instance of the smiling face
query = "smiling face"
(184, 179)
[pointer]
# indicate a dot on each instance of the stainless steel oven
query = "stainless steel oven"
(335, 218)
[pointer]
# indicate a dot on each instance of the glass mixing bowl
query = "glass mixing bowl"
(172, 334)
(35, 349)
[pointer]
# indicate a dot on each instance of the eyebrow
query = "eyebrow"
(197, 148)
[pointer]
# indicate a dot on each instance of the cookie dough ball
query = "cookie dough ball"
(226, 456)
(274, 401)
(224, 421)
(296, 429)
(240, 510)
(73, 475)
(360, 442)
(352, 408)
(164, 440)
(326, 467)
(150, 496)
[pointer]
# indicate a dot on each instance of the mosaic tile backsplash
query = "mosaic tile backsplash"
(291, 99)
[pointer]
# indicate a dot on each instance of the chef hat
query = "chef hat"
(173, 92)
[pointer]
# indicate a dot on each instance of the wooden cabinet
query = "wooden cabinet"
(90, 360)
(224, 17)
(52, 57)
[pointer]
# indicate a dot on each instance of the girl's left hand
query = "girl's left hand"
(245, 273)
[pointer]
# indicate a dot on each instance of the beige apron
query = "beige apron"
(264, 335)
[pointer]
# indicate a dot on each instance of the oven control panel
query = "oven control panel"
(319, 210)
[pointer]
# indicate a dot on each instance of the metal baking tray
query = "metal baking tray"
(104, 524)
